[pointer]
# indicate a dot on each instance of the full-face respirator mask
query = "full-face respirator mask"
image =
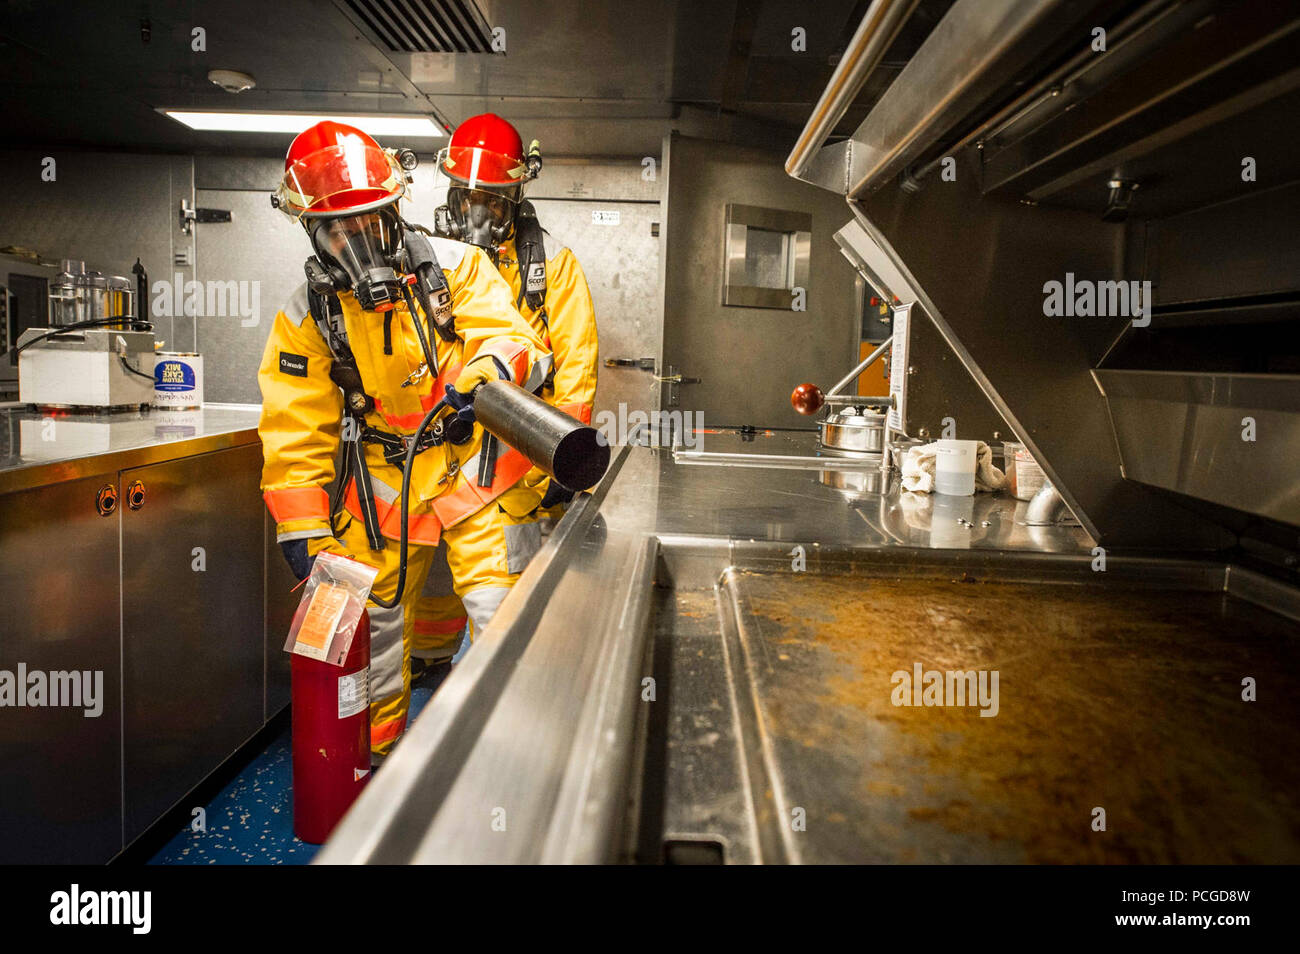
(359, 253)
(382, 259)
(479, 217)
(484, 190)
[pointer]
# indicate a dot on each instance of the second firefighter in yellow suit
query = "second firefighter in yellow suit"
(486, 168)
(489, 531)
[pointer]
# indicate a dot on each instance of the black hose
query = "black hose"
(122, 358)
(135, 324)
(430, 359)
(414, 227)
(406, 506)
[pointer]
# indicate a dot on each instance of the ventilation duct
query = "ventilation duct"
(424, 26)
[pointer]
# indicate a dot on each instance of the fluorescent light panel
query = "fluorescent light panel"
(257, 122)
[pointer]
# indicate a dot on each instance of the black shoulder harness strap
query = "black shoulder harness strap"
(327, 313)
(530, 248)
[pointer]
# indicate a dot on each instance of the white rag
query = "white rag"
(918, 469)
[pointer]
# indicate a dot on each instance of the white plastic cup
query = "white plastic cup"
(954, 468)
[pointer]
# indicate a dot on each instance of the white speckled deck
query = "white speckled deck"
(250, 821)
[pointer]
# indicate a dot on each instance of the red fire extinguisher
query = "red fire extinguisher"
(331, 736)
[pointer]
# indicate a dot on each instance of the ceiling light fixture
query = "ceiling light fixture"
(232, 81)
(411, 126)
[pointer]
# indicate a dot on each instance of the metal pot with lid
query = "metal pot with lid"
(853, 430)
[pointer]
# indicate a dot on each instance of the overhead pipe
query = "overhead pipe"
(879, 26)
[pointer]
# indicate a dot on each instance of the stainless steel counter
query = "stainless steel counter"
(629, 702)
(136, 549)
(775, 485)
(43, 448)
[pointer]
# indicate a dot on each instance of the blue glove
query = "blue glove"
(463, 404)
(300, 561)
(555, 494)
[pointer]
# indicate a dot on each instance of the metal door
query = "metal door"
(192, 623)
(617, 245)
(738, 364)
(255, 258)
(61, 799)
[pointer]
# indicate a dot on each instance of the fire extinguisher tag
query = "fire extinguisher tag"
(354, 693)
(322, 621)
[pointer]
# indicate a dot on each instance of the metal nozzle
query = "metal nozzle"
(574, 454)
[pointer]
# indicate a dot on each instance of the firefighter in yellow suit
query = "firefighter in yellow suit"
(346, 379)
(486, 169)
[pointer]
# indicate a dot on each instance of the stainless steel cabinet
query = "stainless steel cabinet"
(179, 598)
(192, 623)
(60, 768)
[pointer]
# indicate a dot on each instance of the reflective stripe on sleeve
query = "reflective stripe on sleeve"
(297, 503)
(580, 412)
(513, 355)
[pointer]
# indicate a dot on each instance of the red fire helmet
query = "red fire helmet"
(485, 152)
(334, 169)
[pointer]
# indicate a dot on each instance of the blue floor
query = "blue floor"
(250, 821)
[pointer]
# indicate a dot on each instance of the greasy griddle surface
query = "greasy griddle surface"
(1110, 696)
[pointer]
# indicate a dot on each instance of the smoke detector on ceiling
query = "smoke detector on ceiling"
(232, 81)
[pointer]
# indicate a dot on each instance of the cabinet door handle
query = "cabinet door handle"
(106, 500)
(135, 495)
